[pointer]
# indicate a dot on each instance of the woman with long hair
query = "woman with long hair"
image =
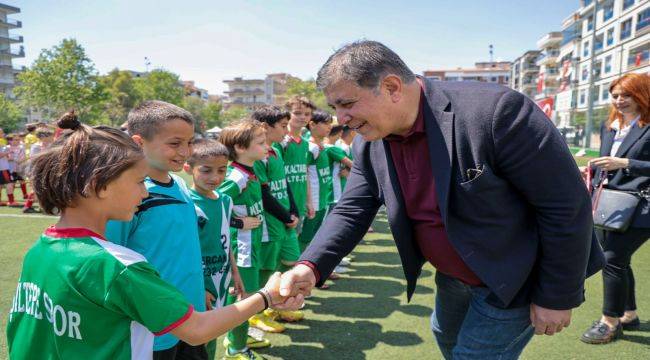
(625, 156)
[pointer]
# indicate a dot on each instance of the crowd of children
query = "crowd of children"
(138, 253)
(15, 151)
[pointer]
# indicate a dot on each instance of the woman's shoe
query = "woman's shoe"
(631, 325)
(601, 333)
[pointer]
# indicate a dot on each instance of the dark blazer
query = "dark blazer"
(636, 147)
(523, 225)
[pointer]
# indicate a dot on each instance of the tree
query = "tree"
(122, 97)
(212, 114)
(233, 114)
(307, 88)
(10, 115)
(161, 85)
(62, 78)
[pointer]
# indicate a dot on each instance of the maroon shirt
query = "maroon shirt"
(410, 154)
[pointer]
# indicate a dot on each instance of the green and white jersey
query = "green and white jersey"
(320, 176)
(244, 188)
(80, 296)
(336, 154)
(271, 171)
(294, 153)
(347, 149)
(214, 236)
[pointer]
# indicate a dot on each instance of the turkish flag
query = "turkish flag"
(540, 83)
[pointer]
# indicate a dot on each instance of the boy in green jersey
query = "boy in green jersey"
(339, 160)
(319, 176)
(294, 149)
(345, 144)
(280, 248)
(246, 143)
(207, 165)
(80, 296)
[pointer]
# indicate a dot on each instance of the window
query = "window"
(608, 12)
(598, 45)
(597, 70)
(583, 97)
(590, 23)
(608, 64)
(639, 56)
(643, 19)
(626, 29)
(585, 73)
(627, 4)
(610, 37)
(493, 79)
(585, 49)
(604, 90)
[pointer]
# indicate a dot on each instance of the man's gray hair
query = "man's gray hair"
(365, 63)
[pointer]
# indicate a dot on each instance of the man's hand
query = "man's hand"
(279, 302)
(610, 163)
(299, 280)
(293, 223)
(547, 321)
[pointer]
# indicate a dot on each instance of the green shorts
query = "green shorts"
(310, 228)
(290, 250)
(270, 254)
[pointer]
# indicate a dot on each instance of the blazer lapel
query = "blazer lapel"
(635, 133)
(439, 125)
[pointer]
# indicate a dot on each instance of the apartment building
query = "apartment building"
(490, 71)
(10, 48)
(524, 73)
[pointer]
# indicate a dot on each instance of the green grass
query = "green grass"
(365, 314)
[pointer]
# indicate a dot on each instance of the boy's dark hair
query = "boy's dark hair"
(43, 133)
(146, 118)
(241, 133)
(30, 127)
(346, 131)
(81, 161)
(299, 100)
(270, 114)
(10, 137)
(320, 117)
(336, 129)
(203, 149)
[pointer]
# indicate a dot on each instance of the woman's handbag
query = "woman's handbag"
(613, 209)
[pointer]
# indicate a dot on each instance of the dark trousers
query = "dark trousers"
(618, 279)
(182, 351)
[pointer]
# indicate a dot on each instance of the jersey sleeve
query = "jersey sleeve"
(139, 293)
(261, 171)
(335, 154)
(231, 187)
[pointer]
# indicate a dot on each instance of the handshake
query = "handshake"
(288, 290)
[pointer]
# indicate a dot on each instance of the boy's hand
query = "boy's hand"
(209, 299)
(293, 223)
(311, 213)
(239, 288)
(344, 172)
(251, 222)
(282, 302)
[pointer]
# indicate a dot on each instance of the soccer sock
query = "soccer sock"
(11, 198)
(23, 188)
(30, 201)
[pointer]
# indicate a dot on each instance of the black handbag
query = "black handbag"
(613, 210)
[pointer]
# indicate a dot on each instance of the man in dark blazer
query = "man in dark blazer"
(477, 181)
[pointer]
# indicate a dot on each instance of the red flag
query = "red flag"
(637, 61)
(540, 82)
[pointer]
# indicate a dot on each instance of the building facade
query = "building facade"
(10, 48)
(565, 99)
(252, 93)
(491, 71)
(524, 73)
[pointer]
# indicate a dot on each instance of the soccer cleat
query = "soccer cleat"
(265, 323)
(251, 343)
(345, 261)
(291, 316)
(341, 270)
(246, 354)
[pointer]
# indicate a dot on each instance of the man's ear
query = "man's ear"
(394, 86)
(138, 140)
(187, 168)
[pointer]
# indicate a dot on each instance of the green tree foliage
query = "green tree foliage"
(62, 78)
(233, 114)
(10, 115)
(307, 88)
(159, 85)
(122, 97)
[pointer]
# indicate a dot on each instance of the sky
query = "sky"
(211, 41)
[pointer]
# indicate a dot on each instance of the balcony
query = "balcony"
(13, 68)
(11, 23)
(245, 92)
(643, 26)
(530, 68)
(16, 53)
(548, 57)
(13, 39)
(550, 39)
